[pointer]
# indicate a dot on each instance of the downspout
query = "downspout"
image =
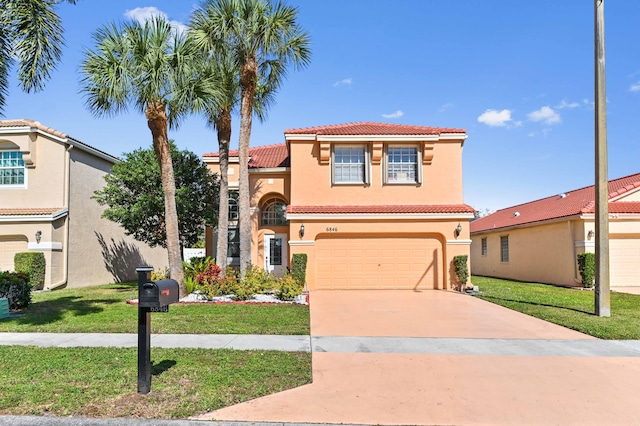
(573, 250)
(65, 243)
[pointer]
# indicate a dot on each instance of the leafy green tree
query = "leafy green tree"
(31, 35)
(134, 197)
(158, 70)
(263, 38)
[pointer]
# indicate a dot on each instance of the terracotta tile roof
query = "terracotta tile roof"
(33, 125)
(367, 128)
(381, 209)
(267, 156)
(566, 204)
(29, 211)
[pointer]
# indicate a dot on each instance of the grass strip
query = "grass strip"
(103, 309)
(571, 308)
(102, 382)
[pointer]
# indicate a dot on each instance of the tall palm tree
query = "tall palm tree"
(159, 71)
(264, 39)
(31, 34)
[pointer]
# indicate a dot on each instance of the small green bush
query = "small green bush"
(15, 287)
(196, 265)
(299, 267)
(33, 264)
(160, 274)
(288, 288)
(460, 265)
(587, 268)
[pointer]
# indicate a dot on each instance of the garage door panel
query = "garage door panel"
(624, 261)
(9, 246)
(378, 262)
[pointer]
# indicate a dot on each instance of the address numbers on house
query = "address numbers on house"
(332, 229)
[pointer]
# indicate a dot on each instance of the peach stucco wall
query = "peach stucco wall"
(544, 253)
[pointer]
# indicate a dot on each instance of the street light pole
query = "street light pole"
(602, 285)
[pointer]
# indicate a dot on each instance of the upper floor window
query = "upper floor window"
(273, 212)
(234, 209)
(484, 246)
(504, 249)
(403, 165)
(350, 164)
(12, 170)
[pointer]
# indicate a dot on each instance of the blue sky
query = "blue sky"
(517, 75)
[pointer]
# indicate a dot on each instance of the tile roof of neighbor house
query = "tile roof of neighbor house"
(381, 209)
(29, 211)
(367, 128)
(579, 201)
(27, 124)
(268, 156)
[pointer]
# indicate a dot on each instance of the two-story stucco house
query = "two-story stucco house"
(47, 179)
(374, 206)
(538, 241)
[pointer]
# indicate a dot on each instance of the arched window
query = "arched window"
(273, 212)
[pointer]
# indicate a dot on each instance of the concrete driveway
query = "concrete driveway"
(435, 357)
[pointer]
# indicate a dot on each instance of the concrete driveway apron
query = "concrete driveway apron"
(436, 357)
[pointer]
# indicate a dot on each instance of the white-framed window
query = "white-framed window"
(234, 209)
(233, 242)
(483, 243)
(350, 164)
(403, 164)
(504, 248)
(12, 169)
(273, 213)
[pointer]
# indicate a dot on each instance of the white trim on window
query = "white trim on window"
(401, 165)
(364, 167)
(10, 171)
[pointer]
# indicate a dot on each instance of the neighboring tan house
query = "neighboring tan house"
(46, 182)
(374, 206)
(539, 241)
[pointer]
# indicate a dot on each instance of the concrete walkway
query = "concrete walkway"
(422, 358)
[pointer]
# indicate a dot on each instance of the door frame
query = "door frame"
(278, 270)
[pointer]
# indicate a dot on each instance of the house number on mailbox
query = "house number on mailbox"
(332, 229)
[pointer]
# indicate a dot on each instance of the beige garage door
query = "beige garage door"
(373, 262)
(624, 261)
(9, 246)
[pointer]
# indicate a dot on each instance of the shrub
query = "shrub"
(160, 274)
(190, 283)
(209, 274)
(15, 287)
(33, 264)
(196, 265)
(587, 267)
(287, 288)
(299, 267)
(460, 265)
(259, 280)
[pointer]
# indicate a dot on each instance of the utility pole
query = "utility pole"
(602, 290)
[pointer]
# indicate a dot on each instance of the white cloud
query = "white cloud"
(635, 87)
(143, 14)
(345, 81)
(546, 115)
(495, 118)
(564, 104)
(396, 114)
(446, 107)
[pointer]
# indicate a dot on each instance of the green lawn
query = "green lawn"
(104, 309)
(102, 382)
(571, 308)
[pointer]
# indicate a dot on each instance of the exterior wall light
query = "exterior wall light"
(458, 230)
(38, 236)
(301, 230)
(590, 234)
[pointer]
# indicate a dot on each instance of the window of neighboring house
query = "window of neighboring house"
(234, 209)
(350, 164)
(403, 165)
(12, 170)
(233, 248)
(484, 246)
(273, 213)
(504, 249)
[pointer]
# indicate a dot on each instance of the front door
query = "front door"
(275, 253)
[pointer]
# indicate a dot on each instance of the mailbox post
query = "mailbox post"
(152, 297)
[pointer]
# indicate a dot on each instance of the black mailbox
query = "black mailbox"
(158, 294)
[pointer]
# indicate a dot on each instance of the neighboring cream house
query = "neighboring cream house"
(539, 241)
(374, 206)
(47, 179)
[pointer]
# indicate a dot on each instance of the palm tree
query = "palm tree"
(263, 38)
(159, 71)
(31, 34)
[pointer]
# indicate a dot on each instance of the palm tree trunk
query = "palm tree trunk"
(157, 120)
(248, 78)
(223, 125)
